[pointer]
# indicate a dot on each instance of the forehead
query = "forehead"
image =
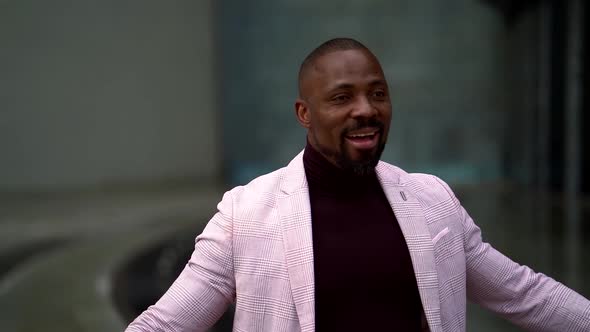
(340, 68)
(348, 66)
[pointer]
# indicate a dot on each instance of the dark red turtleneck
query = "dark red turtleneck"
(364, 279)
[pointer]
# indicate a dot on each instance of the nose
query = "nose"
(364, 109)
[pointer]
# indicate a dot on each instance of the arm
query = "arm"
(530, 300)
(204, 289)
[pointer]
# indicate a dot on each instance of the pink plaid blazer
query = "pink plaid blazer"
(257, 252)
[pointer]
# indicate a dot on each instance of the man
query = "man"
(340, 241)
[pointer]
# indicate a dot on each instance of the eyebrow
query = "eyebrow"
(343, 86)
(378, 82)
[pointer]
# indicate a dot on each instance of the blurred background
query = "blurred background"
(123, 122)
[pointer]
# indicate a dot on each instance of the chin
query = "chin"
(364, 157)
(364, 163)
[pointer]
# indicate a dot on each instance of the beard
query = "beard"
(364, 166)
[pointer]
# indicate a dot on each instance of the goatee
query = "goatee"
(366, 165)
(359, 167)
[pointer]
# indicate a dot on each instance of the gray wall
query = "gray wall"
(109, 92)
(446, 62)
(105, 92)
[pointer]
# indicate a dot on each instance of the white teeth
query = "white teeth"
(362, 135)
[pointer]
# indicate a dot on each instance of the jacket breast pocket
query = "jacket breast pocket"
(446, 243)
(439, 235)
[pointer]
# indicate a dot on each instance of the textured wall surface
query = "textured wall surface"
(101, 92)
(446, 63)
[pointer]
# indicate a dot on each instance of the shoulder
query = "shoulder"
(261, 191)
(267, 188)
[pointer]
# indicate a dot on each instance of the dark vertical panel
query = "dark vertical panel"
(585, 115)
(558, 92)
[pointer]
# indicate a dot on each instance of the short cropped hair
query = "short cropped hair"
(332, 45)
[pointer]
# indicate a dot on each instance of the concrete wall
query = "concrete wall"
(446, 62)
(105, 92)
(108, 92)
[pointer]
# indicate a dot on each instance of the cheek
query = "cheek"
(328, 129)
(329, 135)
(335, 134)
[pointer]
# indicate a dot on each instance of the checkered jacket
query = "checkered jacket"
(257, 252)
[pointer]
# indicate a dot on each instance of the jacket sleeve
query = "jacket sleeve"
(204, 289)
(515, 292)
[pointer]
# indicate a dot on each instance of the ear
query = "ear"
(302, 113)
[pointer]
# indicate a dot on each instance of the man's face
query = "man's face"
(345, 106)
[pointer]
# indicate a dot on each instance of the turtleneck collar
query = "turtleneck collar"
(328, 178)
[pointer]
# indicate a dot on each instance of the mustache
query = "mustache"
(364, 123)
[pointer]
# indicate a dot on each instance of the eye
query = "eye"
(340, 98)
(379, 94)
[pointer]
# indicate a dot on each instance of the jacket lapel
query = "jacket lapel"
(411, 219)
(295, 216)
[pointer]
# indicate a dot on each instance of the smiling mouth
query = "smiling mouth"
(364, 140)
(363, 135)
